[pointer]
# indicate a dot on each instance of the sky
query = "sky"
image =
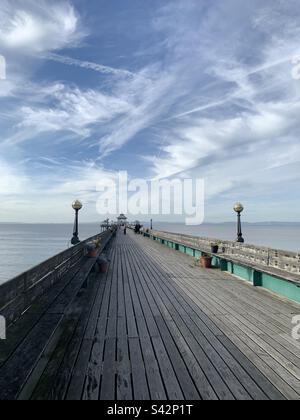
(161, 89)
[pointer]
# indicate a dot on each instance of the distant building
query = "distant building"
(122, 220)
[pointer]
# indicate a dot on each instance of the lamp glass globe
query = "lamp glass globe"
(238, 207)
(77, 205)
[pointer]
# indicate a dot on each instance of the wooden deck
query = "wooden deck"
(158, 327)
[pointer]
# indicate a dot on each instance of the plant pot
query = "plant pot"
(92, 251)
(215, 249)
(104, 267)
(206, 262)
(103, 264)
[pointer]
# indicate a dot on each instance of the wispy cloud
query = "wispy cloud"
(88, 65)
(73, 110)
(212, 97)
(37, 27)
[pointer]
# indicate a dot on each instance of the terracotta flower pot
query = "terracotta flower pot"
(103, 267)
(206, 262)
(103, 264)
(92, 253)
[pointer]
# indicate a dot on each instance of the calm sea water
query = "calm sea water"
(24, 246)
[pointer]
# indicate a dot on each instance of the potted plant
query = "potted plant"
(198, 262)
(98, 243)
(206, 261)
(215, 247)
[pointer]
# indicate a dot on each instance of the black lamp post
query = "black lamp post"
(77, 206)
(239, 208)
(151, 224)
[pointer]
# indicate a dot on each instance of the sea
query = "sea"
(22, 246)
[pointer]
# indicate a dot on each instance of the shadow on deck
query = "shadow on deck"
(154, 327)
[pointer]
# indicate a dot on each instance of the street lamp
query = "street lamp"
(77, 206)
(239, 208)
(151, 224)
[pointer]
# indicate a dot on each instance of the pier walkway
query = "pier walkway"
(156, 326)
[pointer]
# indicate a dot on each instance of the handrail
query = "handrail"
(17, 294)
(282, 260)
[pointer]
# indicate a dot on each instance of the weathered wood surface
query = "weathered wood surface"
(33, 337)
(18, 294)
(155, 327)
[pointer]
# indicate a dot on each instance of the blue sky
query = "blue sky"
(189, 88)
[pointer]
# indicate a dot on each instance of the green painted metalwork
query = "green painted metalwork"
(216, 262)
(223, 265)
(190, 252)
(281, 287)
(245, 273)
(182, 248)
(198, 254)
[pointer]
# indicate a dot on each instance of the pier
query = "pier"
(155, 326)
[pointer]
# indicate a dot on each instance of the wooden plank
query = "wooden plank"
(121, 320)
(130, 315)
(139, 379)
(184, 378)
(268, 388)
(219, 386)
(269, 367)
(74, 306)
(15, 372)
(77, 381)
(113, 303)
(108, 382)
(79, 374)
(172, 385)
(157, 390)
(260, 377)
(225, 372)
(64, 372)
(92, 384)
(124, 385)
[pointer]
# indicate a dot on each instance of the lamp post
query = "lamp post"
(151, 224)
(239, 208)
(77, 206)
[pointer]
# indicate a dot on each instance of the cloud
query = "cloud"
(214, 98)
(99, 68)
(38, 26)
(31, 199)
(242, 98)
(12, 179)
(73, 110)
(150, 93)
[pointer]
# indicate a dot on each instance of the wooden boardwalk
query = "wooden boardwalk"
(158, 327)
